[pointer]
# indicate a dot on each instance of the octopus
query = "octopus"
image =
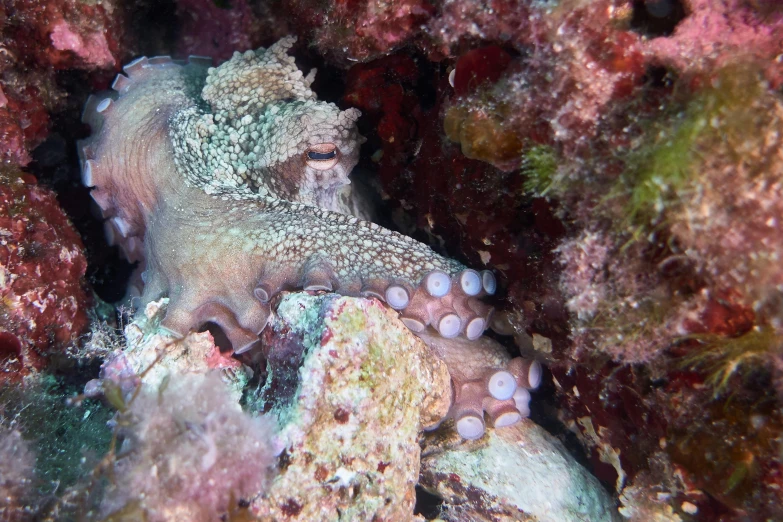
(230, 184)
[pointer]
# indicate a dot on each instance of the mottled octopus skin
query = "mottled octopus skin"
(230, 184)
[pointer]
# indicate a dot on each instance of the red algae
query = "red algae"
(479, 66)
(218, 29)
(38, 39)
(43, 296)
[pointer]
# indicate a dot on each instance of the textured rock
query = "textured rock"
(366, 388)
(358, 373)
(516, 473)
(38, 40)
(154, 351)
(43, 299)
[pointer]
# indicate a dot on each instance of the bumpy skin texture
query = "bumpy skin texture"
(230, 184)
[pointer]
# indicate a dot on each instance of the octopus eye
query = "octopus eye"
(322, 156)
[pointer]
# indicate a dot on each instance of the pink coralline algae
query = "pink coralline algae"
(62, 34)
(44, 301)
(38, 39)
(91, 48)
(717, 33)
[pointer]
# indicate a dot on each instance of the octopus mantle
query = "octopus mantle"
(230, 184)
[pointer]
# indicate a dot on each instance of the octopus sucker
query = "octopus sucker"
(486, 381)
(121, 83)
(230, 184)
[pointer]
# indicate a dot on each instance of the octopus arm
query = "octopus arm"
(233, 259)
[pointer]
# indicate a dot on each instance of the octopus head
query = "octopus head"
(313, 146)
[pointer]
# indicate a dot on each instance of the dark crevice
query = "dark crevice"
(427, 504)
(220, 337)
(659, 77)
(154, 20)
(655, 18)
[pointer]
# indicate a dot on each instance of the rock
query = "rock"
(366, 388)
(515, 473)
(42, 288)
(41, 40)
(349, 385)
(154, 351)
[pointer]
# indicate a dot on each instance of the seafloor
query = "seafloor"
(612, 169)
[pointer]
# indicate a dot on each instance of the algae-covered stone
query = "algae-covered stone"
(155, 353)
(366, 388)
(515, 473)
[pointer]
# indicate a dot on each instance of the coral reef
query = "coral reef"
(44, 298)
(617, 163)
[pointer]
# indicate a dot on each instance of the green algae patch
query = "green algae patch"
(667, 164)
(720, 357)
(67, 440)
(539, 166)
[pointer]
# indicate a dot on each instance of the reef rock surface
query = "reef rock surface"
(518, 473)
(42, 266)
